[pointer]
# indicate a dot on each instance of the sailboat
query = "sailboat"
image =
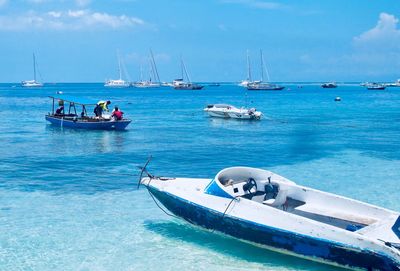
(32, 83)
(248, 80)
(153, 75)
(117, 83)
(261, 85)
(185, 85)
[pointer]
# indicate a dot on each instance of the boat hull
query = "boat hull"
(265, 88)
(101, 125)
(312, 248)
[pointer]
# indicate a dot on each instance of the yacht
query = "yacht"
(34, 82)
(181, 84)
(248, 80)
(261, 85)
(154, 79)
(117, 83)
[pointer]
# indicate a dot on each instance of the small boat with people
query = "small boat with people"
(230, 111)
(32, 83)
(375, 86)
(261, 84)
(266, 209)
(69, 117)
(329, 85)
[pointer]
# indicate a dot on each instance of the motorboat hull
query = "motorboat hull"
(312, 248)
(98, 125)
(232, 115)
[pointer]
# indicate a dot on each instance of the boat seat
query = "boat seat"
(280, 198)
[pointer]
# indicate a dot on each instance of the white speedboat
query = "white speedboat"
(266, 209)
(34, 82)
(229, 111)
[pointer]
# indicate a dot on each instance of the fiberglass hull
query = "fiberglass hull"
(310, 247)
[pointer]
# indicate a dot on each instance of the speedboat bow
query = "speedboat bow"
(266, 209)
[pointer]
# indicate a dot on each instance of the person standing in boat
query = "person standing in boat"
(117, 114)
(100, 107)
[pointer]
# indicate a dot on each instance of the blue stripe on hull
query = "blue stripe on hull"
(115, 125)
(272, 237)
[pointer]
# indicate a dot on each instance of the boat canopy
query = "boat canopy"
(75, 100)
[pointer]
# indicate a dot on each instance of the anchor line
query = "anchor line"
(151, 195)
(226, 209)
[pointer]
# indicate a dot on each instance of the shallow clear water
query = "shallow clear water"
(68, 198)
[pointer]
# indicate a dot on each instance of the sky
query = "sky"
(302, 41)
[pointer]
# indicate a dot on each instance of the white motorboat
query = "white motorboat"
(266, 209)
(34, 82)
(229, 111)
(117, 83)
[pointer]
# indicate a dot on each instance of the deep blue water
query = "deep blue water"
(68, 198)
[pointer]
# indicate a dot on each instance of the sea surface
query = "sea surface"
(68, 198)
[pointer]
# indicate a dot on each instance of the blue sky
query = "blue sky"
(77, 40)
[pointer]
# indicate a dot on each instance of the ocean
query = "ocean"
(68, 198)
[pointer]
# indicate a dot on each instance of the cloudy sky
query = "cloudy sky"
(304, 40)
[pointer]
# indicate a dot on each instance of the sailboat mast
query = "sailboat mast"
(262, 65)
(248, 67)
(34, 67)
(265, 67)
(186, 73)
(119, 68)
(154, 67)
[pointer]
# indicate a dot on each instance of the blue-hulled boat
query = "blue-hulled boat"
(261, 207)
(82, 121)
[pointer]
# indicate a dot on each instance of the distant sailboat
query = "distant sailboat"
(154, 80)
(185, 85)
(261, 85)
(248, 80)
(34, 82)
(117, 83)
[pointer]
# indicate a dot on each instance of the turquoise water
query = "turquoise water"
(68, 198)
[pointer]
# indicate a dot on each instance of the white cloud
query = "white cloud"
(385, 34)
(82, 3)
(3, 3)
(70, 20)
(256, 4)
